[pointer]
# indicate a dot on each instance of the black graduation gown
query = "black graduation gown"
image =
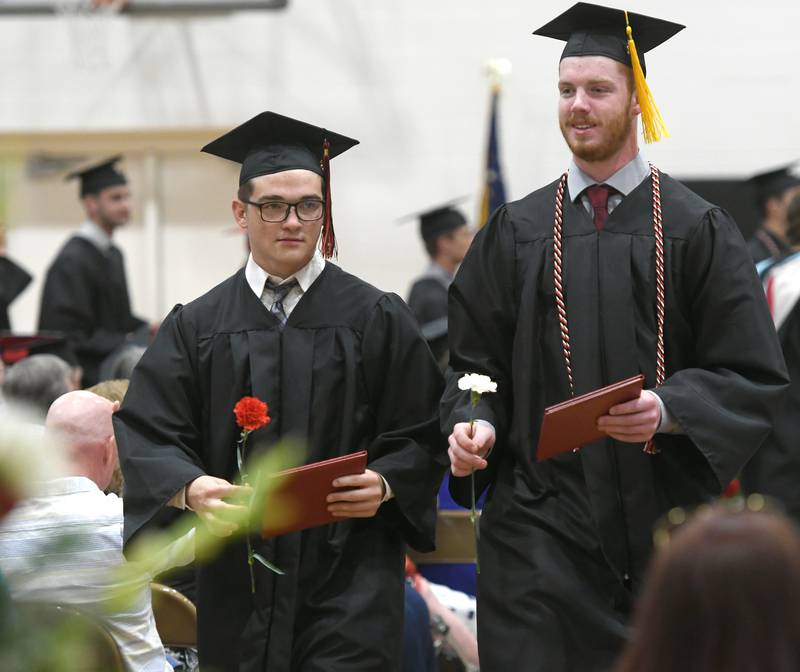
(428, 301)
(564, 543)
(13, 281)
(775, 469)
(85, 296)
(348, 372)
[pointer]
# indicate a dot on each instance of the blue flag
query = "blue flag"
(494, 190)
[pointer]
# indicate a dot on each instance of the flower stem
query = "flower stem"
(474, 516)
(250, 564)
(240, 448)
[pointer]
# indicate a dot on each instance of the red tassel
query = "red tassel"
(328, 237)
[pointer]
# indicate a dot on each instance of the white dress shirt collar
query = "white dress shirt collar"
(624, 181)
(66, 485)
(257, 276)
(95, 235)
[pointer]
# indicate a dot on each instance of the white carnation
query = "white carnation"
(475, 382)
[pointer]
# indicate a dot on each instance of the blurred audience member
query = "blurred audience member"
(113, 391)
(120, 365)
(775, 468)
(418, 652)
(60, 545)
(722, 594)
(13, 281)
(793, 222)
(450, 620)
(36, 382)
(85, 292)
(774, 189)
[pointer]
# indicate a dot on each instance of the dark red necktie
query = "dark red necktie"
(598, 197)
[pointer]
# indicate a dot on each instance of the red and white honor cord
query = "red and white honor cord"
(561, 305)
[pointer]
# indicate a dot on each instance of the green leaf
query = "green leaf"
(268, 564)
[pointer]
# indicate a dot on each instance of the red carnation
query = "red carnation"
(251, 414)
(733, 489)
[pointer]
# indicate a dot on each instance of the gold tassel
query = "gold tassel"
(653, 126)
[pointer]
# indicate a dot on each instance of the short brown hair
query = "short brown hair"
(793, 220)
(113, 390)
(245, 192)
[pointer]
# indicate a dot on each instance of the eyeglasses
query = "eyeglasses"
(307, 210)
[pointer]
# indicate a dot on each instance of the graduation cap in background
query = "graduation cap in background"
(595, 30)
(775, 182)
(272, 143)
(438, 220)
(98, 176)
(14, 347)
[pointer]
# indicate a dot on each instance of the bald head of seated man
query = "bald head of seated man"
(81, 421)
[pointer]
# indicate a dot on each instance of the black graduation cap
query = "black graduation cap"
(594, 30)
(440, 219)
(98, 176)
(272, 143)
(775, 182)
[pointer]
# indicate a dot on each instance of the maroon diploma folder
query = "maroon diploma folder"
(299, 500)
(573, 423)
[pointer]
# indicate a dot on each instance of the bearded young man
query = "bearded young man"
(564, 542)
(85, 293)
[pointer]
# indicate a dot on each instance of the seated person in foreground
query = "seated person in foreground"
(62, 545)
(723, 594)
(36, 382)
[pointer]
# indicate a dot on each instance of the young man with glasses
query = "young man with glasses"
(330, 354)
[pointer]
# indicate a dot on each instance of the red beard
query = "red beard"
(613, 134)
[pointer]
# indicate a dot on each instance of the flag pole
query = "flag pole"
(497, 70)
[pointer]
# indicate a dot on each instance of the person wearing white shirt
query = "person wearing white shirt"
(63, 545)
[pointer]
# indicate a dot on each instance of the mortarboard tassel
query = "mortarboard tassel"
(653, 126)
(328, 237)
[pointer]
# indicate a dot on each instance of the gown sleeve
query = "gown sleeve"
(725, 402)
(481, 322)
(158, 426)
(404, 386)
(13, 280)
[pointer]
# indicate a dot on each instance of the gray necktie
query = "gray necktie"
(279, 293)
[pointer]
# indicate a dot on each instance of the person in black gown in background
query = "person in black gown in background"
(447, 236)
(13, 281)
(343, 366)
(775, 469)
(564, 542)
(85, 293)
